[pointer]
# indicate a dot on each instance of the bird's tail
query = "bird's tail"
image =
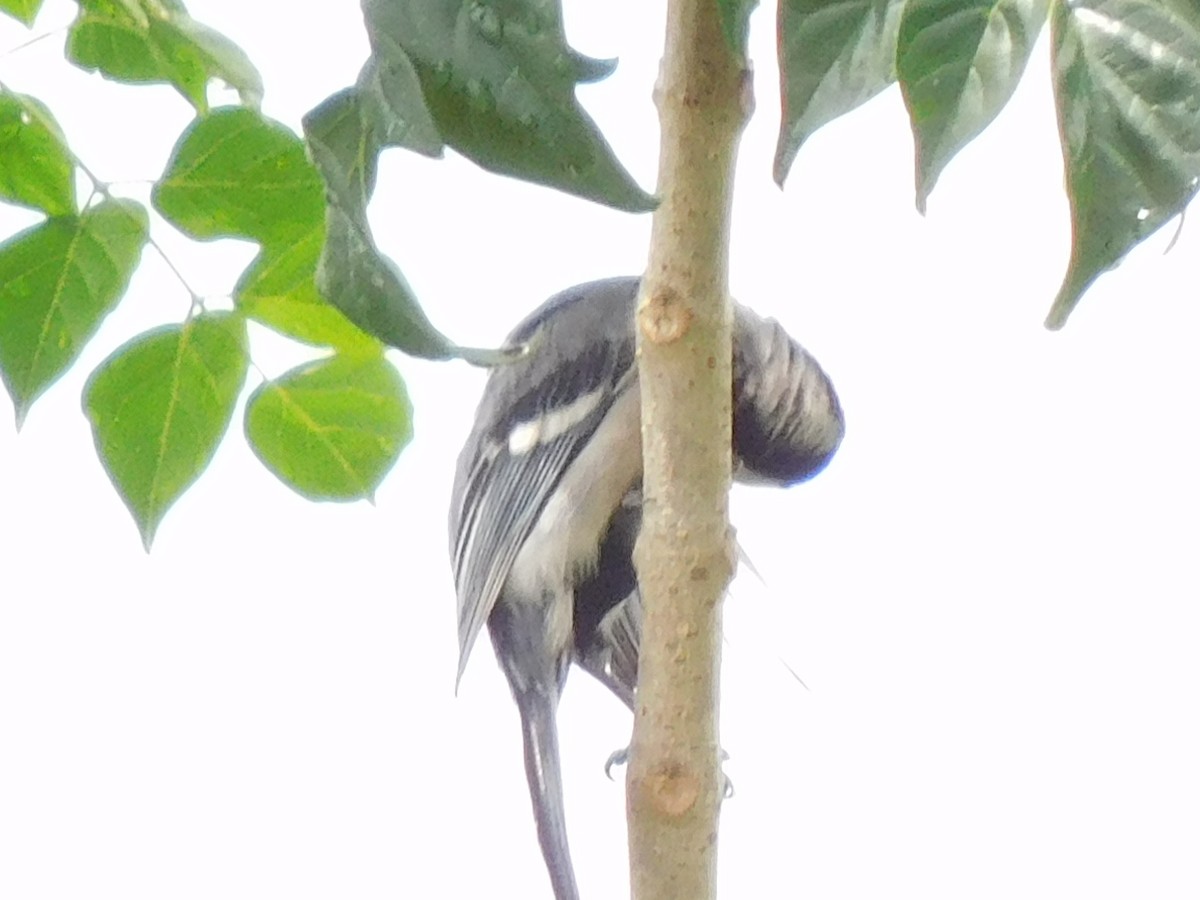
(545, 787)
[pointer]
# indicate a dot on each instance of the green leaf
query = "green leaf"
(345, 146)
(1127, 86)
(149, 41)
(349, 129)
(332, 429)
(131, 9)
(279, 291)
(22, 10)
(371, 291)
(220, 57)
(235, 173)
(833, 57)
(735, 22)
(159, 407)
(352, 274)
(498, 80)
(958, 62)
(395, 102)
(36, 169)
(394, 107)
(58, 280)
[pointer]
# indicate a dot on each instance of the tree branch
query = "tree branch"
(684, 554)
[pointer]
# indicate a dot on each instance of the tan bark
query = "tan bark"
(684, 555)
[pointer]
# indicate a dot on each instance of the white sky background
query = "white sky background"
(992, 593)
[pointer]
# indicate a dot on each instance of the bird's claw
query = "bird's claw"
(620, 757)
(616, 758)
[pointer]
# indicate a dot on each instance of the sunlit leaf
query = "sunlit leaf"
(150, 41)
(235, 173)
(279, 290)
(1127, 85)
(498, 80)
(332, 429)
(35, 166)
(958, 62)
(833, 57)
(58, 280)
(159, 407)
(22, 10)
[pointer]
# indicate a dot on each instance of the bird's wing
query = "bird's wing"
(507, 471)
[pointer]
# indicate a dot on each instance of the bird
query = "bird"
(546, 504)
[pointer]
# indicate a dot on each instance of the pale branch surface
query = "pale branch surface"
(683, 555)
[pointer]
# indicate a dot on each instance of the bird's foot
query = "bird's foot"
(621, 757)
(616, 758)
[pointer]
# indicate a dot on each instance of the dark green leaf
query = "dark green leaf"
(352, 274)
(349, 129)
(236, 173)
(35, 166)
(833, 57)
(279, 291)
(148, 41)
(498, 80)
(58, 280)
(1127, 85)
(394, 107)
(159, 407)
(23, 10)
(345, 147)
(332, 429)
(735, 21)
(356, 278)
(958, 62)
(403, 99)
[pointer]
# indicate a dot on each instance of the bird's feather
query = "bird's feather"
(517, 453)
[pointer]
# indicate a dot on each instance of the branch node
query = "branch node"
(674, 790)
(664, 316)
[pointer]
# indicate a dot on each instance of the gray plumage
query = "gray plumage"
(547, 504)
